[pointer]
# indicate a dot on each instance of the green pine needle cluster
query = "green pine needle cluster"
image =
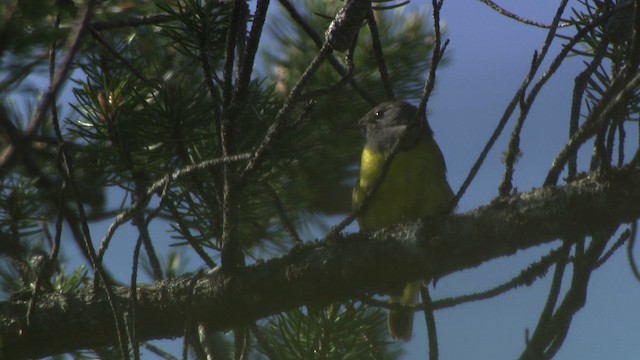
(608, 47)
(350, 331)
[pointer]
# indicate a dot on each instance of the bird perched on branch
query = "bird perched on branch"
(414, 185)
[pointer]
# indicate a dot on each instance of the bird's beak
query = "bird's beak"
(362, 123)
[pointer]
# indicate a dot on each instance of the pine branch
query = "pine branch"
(322, 273)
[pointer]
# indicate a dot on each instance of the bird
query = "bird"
(414, 186)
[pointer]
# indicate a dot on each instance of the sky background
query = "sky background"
(489, 56)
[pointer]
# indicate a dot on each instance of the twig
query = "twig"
(302, 115)
(599, 159)
(262, 342)
(75, 37)
(241, 343)
(561, 335)
(231, 250)
(615, 95)
(505, 118)
(621, 143)
(576, 295)
(55, 249)
(68, 174)
(146, 238)
(526, 277)
(17, 138)
(97, 266)
(133, 289)
(140, 182)
(332, 59)
(634, 57)
(138, 194)
(233, 101)
(126, 214)
(553, 325)
(244, 76)
(314, 94)
(616, 245)
(132, 21)
(282, 214)
(229, 53)
(554, 291)
(635, 161)
(513, 149)
(184, 229)
(189, 322)
(436, 56)
(135, 345)
(188, 170)
(56, 244)
(351, 65)
(389, 7)
(294, 96)
(503, 11)
(10, 10)
(616, 120)
(157, 351)
(241, 38)
(210, 81)
(342, 32)
(630, 245)
(102, 41)
(377, 51)
(368, 196)
(581, 82)
(431, 323)
(205, 345)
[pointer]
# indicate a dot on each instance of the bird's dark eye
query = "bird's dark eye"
(379, 113)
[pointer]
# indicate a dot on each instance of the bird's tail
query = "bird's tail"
(401, 321)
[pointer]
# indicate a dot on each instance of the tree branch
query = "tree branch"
(322, 272)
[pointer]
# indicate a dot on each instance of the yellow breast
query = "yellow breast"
(414, 187)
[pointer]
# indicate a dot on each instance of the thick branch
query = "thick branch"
(324, 272)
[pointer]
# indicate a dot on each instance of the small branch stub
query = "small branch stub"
(344, 28)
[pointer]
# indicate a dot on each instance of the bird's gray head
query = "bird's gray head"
(392, 121)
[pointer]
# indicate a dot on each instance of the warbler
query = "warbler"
(415, 185)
